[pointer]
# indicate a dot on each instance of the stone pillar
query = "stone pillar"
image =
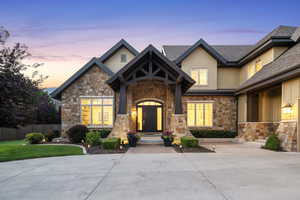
(179, 125)
(121, 126)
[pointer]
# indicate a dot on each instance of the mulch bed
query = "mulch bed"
(98, 150)
(198, 149)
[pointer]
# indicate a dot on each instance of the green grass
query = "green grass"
(16, 150)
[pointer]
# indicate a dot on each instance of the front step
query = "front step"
(151, 139)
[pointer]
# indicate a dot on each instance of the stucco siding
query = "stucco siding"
(114, 62)
(228, 78)
(199, 58)
(242, 108)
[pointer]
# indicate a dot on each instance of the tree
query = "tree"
(18, 93)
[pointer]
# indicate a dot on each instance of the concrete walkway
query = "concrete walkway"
(238, 172)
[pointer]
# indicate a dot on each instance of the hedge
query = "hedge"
(188, 141)
(213, 134)
(111, 143)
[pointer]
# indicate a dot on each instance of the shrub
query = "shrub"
(51, 135)
(77, 133)
(273, 143)
(93, 138)
(34, 138)
(213, 134)
(111, 143)
(189, 141)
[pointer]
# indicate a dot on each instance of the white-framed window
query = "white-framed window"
(200, 114)
(200, 75)
(97, 111)
(123, 58)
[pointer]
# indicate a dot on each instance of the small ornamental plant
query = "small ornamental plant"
(273, 143)
(168, 138)
(133, 138)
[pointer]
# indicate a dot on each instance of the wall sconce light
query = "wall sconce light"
(287, 108)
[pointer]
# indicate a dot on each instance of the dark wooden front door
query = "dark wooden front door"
(149, 118)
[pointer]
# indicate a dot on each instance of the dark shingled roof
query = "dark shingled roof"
(230, 52)
(233, 53)
(287, 61)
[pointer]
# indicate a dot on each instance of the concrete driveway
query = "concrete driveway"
(236, 172)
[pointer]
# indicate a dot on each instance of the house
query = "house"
(252, 89)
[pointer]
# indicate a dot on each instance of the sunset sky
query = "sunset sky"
(64, 35)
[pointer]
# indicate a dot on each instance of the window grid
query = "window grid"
(200, 75)
(201, 113)
(91, 105)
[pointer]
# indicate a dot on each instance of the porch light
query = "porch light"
(287, 108)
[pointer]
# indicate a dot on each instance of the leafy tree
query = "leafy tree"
(19, 94)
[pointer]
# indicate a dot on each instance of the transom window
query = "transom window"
(200, 114)
(123, 58)
(97, 111)
(200, 75)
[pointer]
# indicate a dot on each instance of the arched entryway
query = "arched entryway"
(149, 116)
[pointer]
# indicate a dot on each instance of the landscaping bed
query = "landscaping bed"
(99, 150)
(198, 149)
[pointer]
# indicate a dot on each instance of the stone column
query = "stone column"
(179, 125)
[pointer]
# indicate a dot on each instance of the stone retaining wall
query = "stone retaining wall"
(286, 131)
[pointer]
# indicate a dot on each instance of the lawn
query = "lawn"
(19, 150)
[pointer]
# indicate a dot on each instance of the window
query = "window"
(253, 69)
(123, 58)
(200, 114)
(200, 75)
(258, 65)
(97, 111)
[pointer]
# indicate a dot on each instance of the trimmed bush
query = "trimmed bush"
(51, 135)
(111, 143)
(34, 138)
(273, 143)
(189, 141)
(213, 134)
(77, 133)
(93, 138)
(104, 132)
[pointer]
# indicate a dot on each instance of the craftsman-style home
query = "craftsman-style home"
(252, 89)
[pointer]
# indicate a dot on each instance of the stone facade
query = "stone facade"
(224, 111)
(179, 125)
(121, 126)
(150, 90)
(92, 83)
(251, 131)
(286, 131)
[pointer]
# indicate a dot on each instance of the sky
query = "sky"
(65, 34)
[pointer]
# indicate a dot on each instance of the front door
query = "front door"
(149, 118)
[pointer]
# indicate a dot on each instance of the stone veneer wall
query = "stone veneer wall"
(251, 131)
(286, 131)
(224, 111)
(92, 83)
(150, 90)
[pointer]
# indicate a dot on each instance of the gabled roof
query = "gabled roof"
(237, 55)
(204, 45)
(94, 61)
(232, 53)
(114, 80)
(285, 65)
(116, 47)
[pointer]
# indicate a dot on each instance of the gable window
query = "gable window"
(123, 58)
(252, 69)
(200, 75)
(97, 111)
(200, 114)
